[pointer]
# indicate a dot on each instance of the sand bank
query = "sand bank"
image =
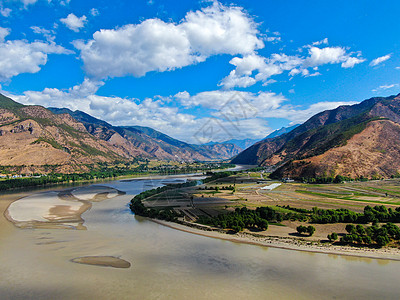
(104, 261)
(57, 209)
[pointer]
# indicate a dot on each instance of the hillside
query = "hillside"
(147, 142)
(38, 139)
(32, 136)
(313, 148)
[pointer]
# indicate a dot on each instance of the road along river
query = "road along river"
(84, 243)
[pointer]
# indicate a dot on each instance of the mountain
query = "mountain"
(147, 142)
(243, 144)
(34, 138)
(357, 140)
(281, 131)
(37, 139)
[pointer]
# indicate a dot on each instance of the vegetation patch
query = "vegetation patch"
(51, 142)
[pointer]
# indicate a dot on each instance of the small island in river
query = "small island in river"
(357, 218)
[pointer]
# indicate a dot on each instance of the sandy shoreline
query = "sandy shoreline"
(288, 243)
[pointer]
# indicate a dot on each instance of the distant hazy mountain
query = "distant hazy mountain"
(356, 140)
(281, 131)
(242, 144)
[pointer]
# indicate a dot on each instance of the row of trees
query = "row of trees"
(238, 220)
(103, 173)
(370, 236)
(378, 213)
(138, 208)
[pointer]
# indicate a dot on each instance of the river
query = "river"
(171, 264)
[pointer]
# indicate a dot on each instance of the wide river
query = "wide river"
(171, 264)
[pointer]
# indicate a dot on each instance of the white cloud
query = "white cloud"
(5, 12)
(273, 39)
(116, 110)
(20, 56)
(64, 2)
(94, 12)
(48, 34)
(3, 33)
(155, 45)
(321, 42)
(330, 55)
(264, 68)
(233, 114)
(73, 22)
(28, 2)
(385, 87)
(379, 60)
(246, 103)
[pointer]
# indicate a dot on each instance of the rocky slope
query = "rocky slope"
(61, 140)
(33, 136)
(145, 141)
(354, 141)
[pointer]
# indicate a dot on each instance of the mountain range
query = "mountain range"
(34, 137)
(361, 140)
(353, 141)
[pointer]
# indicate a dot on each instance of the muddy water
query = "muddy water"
(170, 264)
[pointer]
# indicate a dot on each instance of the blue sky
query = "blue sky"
(199, 70)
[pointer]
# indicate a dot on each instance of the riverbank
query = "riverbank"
(287, 243)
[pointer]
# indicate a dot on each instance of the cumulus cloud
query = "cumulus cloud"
(231, 114)
(20, 56)
(331, 55)
(248, 105)
(116, 110)
(3, 33)
(155, 45)
(380, 60)
(253, 68)
(73, 22)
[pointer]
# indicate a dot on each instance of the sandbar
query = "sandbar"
(103, 261)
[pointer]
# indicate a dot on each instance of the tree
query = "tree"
(310, 230)
(301, 229)
(350, 228)
(332, 237)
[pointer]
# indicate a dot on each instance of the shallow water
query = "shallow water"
(171, 264)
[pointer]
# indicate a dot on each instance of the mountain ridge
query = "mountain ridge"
(327, 130)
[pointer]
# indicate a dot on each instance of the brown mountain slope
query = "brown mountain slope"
(372, 152)
(147, 142)
(60, 140)
(357, 140)
(265, 152)
(33, 136)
